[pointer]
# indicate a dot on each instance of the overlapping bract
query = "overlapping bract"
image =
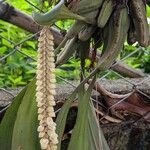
(45, 91)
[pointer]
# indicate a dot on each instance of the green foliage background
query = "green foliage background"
(18, 70)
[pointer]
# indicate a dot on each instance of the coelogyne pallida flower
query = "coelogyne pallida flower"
(45, 91)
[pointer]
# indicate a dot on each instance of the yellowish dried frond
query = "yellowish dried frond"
(45, 91)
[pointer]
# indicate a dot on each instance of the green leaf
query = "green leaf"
(7, 124)
(3, 50)
(25, 135)
(79, 136)
(62, 116)
(11, 79)
(86, 134)
(96, 133)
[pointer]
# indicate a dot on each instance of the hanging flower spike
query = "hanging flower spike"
(45, 91)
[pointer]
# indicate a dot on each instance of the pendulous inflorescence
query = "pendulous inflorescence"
(45, 91)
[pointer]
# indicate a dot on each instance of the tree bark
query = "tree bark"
(125, 70)
(119, 86)
(10, 14)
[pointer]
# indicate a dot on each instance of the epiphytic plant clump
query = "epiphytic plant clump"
(106, 22)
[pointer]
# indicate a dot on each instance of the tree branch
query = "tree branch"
(125, 70)
(119, 86)
(10, 14)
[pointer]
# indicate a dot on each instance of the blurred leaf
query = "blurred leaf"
(7, 124)
(25, 135)
(62, 116)
(30, 52)
(148, 11)
(97, 134)
(3, 50)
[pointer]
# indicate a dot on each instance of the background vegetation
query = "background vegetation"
(17, 70)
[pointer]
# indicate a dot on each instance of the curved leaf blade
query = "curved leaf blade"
(86, 134)
(25, 135)
(62, 116)
(7, 124)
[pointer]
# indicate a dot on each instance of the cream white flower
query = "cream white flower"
(44, 143)
(45, 91)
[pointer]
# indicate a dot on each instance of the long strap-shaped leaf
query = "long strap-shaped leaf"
(7, 124)
(86, 134)
(25, 134)
(79, 136)
(62, 116)
(97, 137)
